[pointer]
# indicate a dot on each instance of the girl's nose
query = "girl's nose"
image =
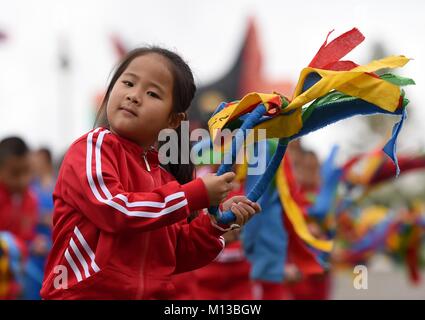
(133, 98)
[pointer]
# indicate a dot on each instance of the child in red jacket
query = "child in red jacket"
(18, 207)
(18, 213)
(119, 223)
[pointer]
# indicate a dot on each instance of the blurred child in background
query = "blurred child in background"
(18, 214)
(43, 182)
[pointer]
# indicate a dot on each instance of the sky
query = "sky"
(50, 107)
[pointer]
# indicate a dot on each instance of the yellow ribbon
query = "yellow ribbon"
(295, 215)
(370, 217)
(356, 83)
(218, 121)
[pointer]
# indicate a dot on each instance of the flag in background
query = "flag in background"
(245, 75)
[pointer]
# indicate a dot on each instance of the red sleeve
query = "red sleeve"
(90, 182)
(199, 242)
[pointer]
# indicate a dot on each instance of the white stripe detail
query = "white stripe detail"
(98, 162)
(73, 265)
(109, 201)
(151, 203)
(146, 214)
(80, 258)
(87, 248)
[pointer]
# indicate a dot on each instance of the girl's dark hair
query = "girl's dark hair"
(183, 92)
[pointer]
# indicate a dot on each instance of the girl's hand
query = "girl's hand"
(242, 208)
(218, 187)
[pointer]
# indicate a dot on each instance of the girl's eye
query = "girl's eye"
(128, 83)
(153, 94)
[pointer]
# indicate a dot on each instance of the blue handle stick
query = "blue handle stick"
(249, 123)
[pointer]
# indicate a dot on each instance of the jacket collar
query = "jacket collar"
(132, 147)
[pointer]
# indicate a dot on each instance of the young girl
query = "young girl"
(119, 223)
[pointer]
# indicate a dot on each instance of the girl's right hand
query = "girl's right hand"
(218, 187)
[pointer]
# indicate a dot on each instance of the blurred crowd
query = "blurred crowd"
(272, 262)
(244, 268)
(27, 179)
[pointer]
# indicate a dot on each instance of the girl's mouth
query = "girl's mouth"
(128, 110)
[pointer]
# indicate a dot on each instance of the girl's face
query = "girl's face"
(141, 102)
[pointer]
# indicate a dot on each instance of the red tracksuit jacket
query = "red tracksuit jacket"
(119, 224)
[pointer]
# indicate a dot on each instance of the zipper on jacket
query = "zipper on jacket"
(148, 167)
(141, 289)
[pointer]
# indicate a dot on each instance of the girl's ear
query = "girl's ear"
(176, 119)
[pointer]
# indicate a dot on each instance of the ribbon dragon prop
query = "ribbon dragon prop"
(333, 88)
